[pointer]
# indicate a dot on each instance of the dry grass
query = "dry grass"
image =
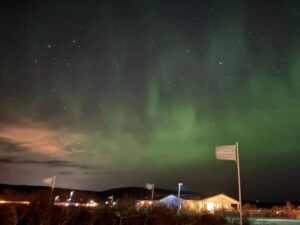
(43, 215)
(39, 212)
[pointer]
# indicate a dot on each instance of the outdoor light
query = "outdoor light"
(56, 198)
(210, 206)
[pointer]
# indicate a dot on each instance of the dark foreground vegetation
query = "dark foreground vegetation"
(39, 212)
(44, 215)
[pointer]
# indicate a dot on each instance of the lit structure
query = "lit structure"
(172, 200)
(15, 202)
(90, 203)
(211, 204)
(145, 203)
(70, 203)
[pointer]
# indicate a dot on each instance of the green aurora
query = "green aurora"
(151, 92)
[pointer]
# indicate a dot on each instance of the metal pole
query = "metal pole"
(179, 186)
(51, 192)
(152, 194)
(239, 181)
(53, 182)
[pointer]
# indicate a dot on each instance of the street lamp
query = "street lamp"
(179, 187)
(56, 199)
(71, 195)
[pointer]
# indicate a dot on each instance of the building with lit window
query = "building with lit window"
(219, 202)
(212, 203)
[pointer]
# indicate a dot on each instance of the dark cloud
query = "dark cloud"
(50, 163)
(106, 172)
(9, 147)
(66, 172)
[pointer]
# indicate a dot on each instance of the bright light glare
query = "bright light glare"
(210, 206)
(14, 202)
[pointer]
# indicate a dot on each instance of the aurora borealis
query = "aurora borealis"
(119, 93)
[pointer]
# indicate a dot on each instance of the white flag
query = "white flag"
(149, 186)
(48, 180)
(226, 152)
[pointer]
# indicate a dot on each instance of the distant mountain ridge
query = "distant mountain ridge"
(124, 192)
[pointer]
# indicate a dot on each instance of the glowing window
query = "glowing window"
(210, 206)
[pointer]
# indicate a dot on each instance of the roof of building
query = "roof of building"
(171, 200)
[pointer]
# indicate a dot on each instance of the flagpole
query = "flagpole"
(52, 188)
(53, 183)
(239, 181)
(152, 194)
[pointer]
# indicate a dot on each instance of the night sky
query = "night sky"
(109, 94)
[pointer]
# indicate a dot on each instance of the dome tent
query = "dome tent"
(171, 200)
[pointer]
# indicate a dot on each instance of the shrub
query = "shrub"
(42, 214)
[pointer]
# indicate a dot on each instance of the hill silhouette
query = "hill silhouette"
(135, 193)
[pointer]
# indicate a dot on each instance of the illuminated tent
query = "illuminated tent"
(212, 203)
(171, 200)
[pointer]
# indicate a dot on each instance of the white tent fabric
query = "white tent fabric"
(172, 200)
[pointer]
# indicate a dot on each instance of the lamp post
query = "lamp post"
(179, 187)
